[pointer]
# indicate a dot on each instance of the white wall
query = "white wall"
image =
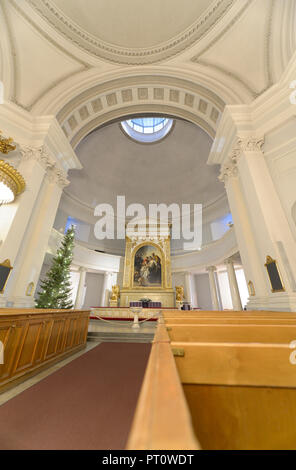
(75, 276)
(94, 286)
(203, 293)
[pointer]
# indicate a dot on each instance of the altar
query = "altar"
(147, 265)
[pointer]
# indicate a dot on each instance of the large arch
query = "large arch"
(73, 88)
(96, 100)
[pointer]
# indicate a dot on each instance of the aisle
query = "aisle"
(87, 404)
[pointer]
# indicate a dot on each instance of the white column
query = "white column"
(188, 290)
(268, 219)
(80, 290)
(234, 291)
(43, 157)
(213, 287)
(30, 256)
(105, 287)
(253, 268)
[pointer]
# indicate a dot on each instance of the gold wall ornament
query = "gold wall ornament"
(115, 292)
(30, 288)
(5, 269)
(6, 144)
(251, 288)
(11, 182)
(179, 293)
(275, 278)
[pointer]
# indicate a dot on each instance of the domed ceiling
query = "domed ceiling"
(171, 170)
(133, 31)
(133, 23)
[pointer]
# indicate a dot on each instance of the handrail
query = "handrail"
(162, 420)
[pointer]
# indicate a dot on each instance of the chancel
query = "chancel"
(147, 225)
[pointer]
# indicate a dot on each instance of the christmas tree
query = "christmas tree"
(56, 287)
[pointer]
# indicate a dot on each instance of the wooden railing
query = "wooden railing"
(162, 419)
(36, 338)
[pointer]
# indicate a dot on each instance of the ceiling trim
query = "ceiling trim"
(214, 85)
(122, 55)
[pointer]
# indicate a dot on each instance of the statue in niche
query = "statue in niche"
(115, 292)
(179, 293)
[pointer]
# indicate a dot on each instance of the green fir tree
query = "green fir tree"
(56, 287)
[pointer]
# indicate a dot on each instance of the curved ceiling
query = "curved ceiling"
(133, 23)
(131, 31)
(171, 170)
(235, 48)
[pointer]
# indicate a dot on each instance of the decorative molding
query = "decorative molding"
(228, 171)
(100, 110)
(242, 145)
(248, 144)
(6, 144)
(227, 28)
(122, 55)
(41, 155)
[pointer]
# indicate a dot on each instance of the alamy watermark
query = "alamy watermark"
(185, 220)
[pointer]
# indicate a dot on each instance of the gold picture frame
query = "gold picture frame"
(251, 289)
(5, 270)
(274, 275)
(163, 270)
(30, 289)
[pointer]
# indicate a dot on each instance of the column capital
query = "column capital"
(57, 176)
(249, 143)
(228, 261)
(82, 269)
(43, 157)
(211, 268)
(229, 170)
(40, 154)
(242, 145)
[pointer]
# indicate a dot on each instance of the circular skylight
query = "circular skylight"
(147, 129)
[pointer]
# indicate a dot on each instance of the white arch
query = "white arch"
(124, 111)
(226, 88)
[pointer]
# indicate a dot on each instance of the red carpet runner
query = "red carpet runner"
(88, 404)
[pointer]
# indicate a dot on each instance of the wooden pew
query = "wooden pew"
(237, 376)
(162, 419)
(33, 339)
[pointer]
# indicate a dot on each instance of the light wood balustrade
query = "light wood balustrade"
(33, 339)
(162, 419)
(237, 376)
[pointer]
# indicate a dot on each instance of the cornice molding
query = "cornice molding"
(122, 55)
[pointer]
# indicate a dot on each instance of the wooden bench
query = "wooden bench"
(237, 377)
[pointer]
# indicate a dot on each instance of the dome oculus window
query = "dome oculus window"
(147, 129)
